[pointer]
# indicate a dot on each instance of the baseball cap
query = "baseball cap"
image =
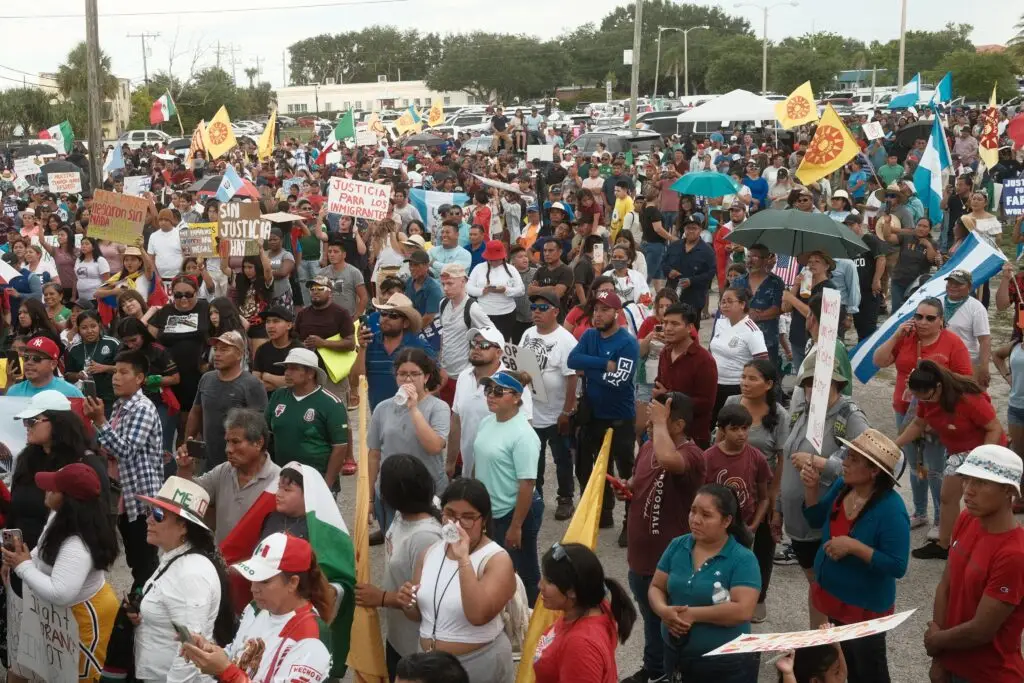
(853, 217)
(319, 281)
(993, 463)
(532, 208)
(610, 299)
(962, 276)
(279, 312)
(77, 480)
(418, 258)
(307, 358)
(559, 206)
(45, 346)
(546, 295)
(43, 401)
(276, 553)
(453, 270)
(490, 333)
(232, 338)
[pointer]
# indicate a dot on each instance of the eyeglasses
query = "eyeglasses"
(466, 521)
(409, 375)
(543, 308)
(32, 421)
(184, 295)
(496, 391)
(157, 514)
(929, 318)
(32, 358)
(483, 345)
(391, 315)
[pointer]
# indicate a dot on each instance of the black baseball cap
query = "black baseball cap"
(546, 295)
(280, 312)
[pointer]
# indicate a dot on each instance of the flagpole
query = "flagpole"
(181, 127)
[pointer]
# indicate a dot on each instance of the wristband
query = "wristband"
(232, 674)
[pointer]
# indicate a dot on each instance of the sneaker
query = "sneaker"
(645, 676)
(565, 509)
(623, 537)
(607, 521)
(784, 555)
(918, 521)
(933, 533)
(931, 551)
(760, 613)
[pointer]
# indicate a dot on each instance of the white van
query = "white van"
(136, 138)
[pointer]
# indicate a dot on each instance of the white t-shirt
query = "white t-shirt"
(970, 322)
(470, 405)
(166, 250)
(88, 274)
(632, 288)
(552, 355)
(733, 346)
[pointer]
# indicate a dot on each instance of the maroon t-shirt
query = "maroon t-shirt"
(660, 510)
(741, 472)
(324, 322)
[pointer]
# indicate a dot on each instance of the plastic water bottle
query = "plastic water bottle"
(806, 278)
(400, 398)
(719, 595)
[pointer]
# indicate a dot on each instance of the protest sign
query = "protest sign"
(242, 224)
(66, 183)
(20, 184)
(198, 239)
(542, 152)
(391, 163)
(52, 241)
(333, 158)
(49, 640)
(366, 138)
(524, 359)
(873, 130)
(359, 199)
(781, 642)
(1013, 196)
(12, 431)
(826, 355)
(117, 217)
(137, 184)
(27, 167)
(10, 207)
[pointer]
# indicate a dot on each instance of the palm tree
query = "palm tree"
(29, 108)
(251, 73)
(1016, 43)
(73, 79)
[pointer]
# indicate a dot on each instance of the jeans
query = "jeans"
(865, 321)
(865, 658)
(654, 646)
(721, 669)
(563, 460)
(524, 558)
(138, 553)
(169, 424)
(307, 270)
(590, 438)
(654, 252)
(668, 221)
(932, 455)
(899, 295)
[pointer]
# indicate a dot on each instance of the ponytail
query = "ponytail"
(575, 568)
(621, 607)
(313, 586)
(728, 505)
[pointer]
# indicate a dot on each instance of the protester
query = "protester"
(348, 288)
(735, 341)
(967, 318)
(766, 289)
(135, 336)
(689, 264)
(324, 325)
(457, 315)
(870, 267)
(794, 300)
(278, 322)
(91, 270)
(399, 326)
(579, 319)
(495, 284)
(685, 366)
(253, 287)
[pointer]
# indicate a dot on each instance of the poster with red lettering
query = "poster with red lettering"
(361, 200)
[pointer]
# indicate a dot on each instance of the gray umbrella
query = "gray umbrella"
(793, 232)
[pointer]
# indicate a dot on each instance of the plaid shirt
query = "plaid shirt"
(134, 436)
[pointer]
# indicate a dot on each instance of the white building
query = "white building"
(116, 110)
(329, 97)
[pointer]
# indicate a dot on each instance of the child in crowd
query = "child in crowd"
(817, 664)
(735, 463)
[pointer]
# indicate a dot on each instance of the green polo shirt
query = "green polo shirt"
(306, 429)
(734, 566)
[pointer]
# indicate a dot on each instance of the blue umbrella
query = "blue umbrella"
(706, 184)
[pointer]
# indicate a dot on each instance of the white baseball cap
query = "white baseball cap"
(491, 334)
(276, 553)
(43, 401)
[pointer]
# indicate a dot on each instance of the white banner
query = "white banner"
(137, 184)
(826, 355)
(65, 183)
(542, 152)
(27, 167)
(391, 163)
(49, 640)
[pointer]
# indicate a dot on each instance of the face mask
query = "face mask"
(618, 264)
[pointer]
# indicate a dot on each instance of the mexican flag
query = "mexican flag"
(60, 133)
(162, 110)
(330, 540)
(345, 129)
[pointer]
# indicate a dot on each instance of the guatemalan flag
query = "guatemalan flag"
(944, 91)
(909, 94)
(928, 176)
(427, 201)
(975, 255)
(229, 185)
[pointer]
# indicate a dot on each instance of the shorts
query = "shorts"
(643, 393)
(805, 552)
(1015, 416)
(954, 461)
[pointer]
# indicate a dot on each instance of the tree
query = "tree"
(251, 73)
(362, 56)
(924, 49)
(975, 73)
(790, 66)
(1016, 43)
(29, 108)
(73, 78)
(735, 63)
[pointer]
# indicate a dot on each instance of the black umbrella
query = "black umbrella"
(425, 140)
(794, 232)
(59, 167)
(37, 149)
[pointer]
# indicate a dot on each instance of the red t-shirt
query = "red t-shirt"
(983, 564)
(482, 217)
(581, 650)
(948, 351)
(647, 326)
(741, 472)
(964, 428)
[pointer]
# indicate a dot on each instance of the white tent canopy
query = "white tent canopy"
(738, 105)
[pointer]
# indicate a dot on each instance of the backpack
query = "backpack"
(516, 613)
(466, 317)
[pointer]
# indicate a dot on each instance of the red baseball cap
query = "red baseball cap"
(77, 480)
(45, 346)
(609, 299)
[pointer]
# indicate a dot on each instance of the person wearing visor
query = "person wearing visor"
(279, 633)
(505, 453)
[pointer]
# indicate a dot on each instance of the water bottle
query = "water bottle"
(400, 398)
(806, 278)
(720, 595)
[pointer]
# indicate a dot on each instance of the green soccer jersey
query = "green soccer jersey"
(103, 352)
(306, 429)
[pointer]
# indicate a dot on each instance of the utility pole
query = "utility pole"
(903, 43)
(234, 75)
(143, 36)
(259, 70)
(284, 71)
(634, 81)
(95, 104)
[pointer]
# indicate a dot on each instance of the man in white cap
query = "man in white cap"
(458, 313)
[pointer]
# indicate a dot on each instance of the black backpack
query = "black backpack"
(466, 318)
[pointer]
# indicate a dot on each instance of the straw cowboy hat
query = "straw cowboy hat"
(401, 303)
(892, 187)
(878, 448)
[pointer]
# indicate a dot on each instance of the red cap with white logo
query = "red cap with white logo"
(276, 553)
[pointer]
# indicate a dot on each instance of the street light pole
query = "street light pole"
(764, 36)
(686, 59)
(657, 64)
(634, 85)
(903, 43)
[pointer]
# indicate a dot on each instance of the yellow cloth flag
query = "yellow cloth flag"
(797, 109)
(407, 122)
(435, 117)
(265, 148)
(366, 653)
(219, 137)
(375, 126)
(988, 144)
(198, 142)
(582, 529)
(831, 147)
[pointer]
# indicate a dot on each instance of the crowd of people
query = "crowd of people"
(166, 395)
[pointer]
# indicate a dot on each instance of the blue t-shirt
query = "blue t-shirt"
(505, 453)
(380, 373)
(855, 178)
(610, 393)
(734, 566)
(768, 295)
(26, 388)
(427, 298)
(758, 190)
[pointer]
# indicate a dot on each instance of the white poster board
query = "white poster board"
(64, 183)
(49, 639)
(826, 355)
(542, 152)
(333, 158)
(358, 199)
(391, 163)
(137, 184)
(522, 359)
(27, 167)
(873, 130)
(366, 138)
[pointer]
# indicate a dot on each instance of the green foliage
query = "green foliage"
(924, 49)
(73, 75)
(29, 108)
(974, 74)
(360, 56)
(735, 63)
(790, 66)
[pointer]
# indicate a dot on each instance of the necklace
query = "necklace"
(438, 599)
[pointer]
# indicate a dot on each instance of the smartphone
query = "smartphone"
(659, 328)
(89, 388)
(184, 635)
(598, 253)
(196, 449)
(619, 486)
(9, 536)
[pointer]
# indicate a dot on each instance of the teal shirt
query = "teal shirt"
(26, 388)
(505, 453)
(734, 566)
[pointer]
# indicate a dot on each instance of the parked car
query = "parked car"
(136, 138)
(477, 144)
(617, 141)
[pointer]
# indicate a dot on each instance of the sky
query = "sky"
(37, 39)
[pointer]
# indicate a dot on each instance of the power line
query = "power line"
(319, 5)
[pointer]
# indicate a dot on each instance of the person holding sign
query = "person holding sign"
(136, 273)
(67, 569)
(865, 546)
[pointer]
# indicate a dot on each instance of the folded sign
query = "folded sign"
(359, 199)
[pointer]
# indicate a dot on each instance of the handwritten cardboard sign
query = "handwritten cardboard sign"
(65, 183)
(826, 356)
(198, 239)
(359, 199)
(242, 224)
(49, 639)
(117, 217)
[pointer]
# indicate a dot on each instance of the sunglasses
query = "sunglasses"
(484, 345)
(391, 315)
(321, 288)
(543, 308)
(496, 391)
(32, 358)
(559, 553)
(929, 318)
(157, 514)
(184, 295)
(32, 421)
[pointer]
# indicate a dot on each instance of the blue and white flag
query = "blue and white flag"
(909, 94)
(944, 92)
(230, 185)
(928, 175)
(113, 162)
(975, 255)
(427, 201)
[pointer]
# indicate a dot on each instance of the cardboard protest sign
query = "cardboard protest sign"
(873, 130)
(826, 355)
(781, 642)
(359, 199)
(542, 152)
(1013, 196)
(49, 639)
(524, 359)
(198, 239)
(66, 183)
(27, 167)
(117, 217)
(137, 184)
(242, 224)
(366, 138)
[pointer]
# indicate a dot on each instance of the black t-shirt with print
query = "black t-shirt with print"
(184, 334)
